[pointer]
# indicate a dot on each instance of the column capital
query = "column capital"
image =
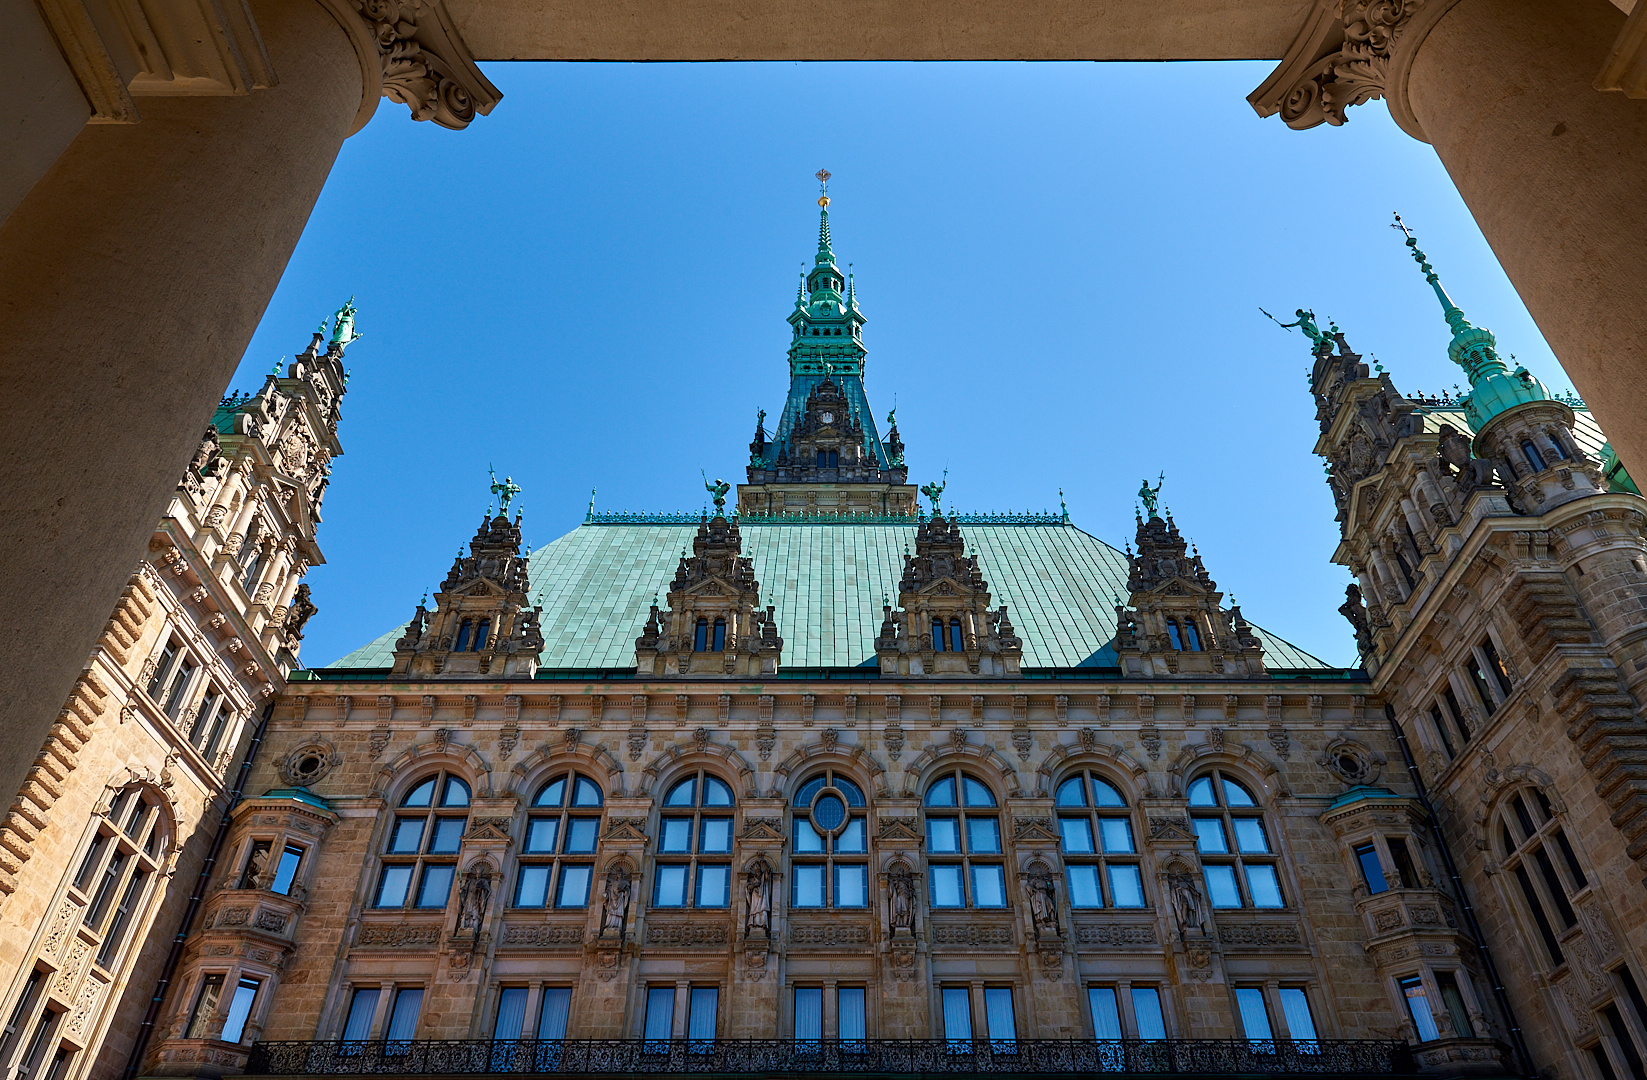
(411, 52)
(1348, 52)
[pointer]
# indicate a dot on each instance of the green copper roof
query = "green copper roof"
(1586, 432)
(827, 582)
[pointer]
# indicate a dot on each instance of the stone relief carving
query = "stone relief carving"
(900, 886)
(1186, 904)
(309, 763)
(1043, 902)
(543, 935)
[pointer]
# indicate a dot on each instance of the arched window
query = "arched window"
(700, 636)
(963, 841)
(937, 635)
(1237, 856)
(482, 628)
(118, 868)
(423, 842)
(1539, 857)
(1535, 460)
(719, 643)
(558, 849)
(1172, 632)
(957, 643)
(462, 643)
(830, 866)
(1558, 444)
(1100, 851)
(1192, 636)
(694, 866)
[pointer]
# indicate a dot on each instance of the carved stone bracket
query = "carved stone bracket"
(423, 63)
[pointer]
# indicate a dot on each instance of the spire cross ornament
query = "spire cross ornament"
(823, 186)
(505, 492)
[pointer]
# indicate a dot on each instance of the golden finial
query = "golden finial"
(823, 186)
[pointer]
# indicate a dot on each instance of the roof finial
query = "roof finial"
(826, 254)
(505, 491)
(343, 325)
(589, 515)
(823, 186)
(1455, 317)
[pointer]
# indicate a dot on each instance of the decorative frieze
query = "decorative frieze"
(397, 934)
(1115, 935)
(829, 934)
(538, 935)
(687, 935)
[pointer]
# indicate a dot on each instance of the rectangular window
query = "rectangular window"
(808, 1013)
(1295, 1007)
(1083, 886)
(1453, 999)
(700, 1015)
(582, 833)
(854, 839)
(1264, 886)
(946, 886)
(240, 1008)
(540, 836)
(1626, 1044)
(1539, 918)
(1478, 682)
(1372, 870)
(957, 1004)
(1495, 665)
(808, 841)
(205, 1005)
(1598, 1054)
(677, 835)
(1250, 838)
(1403, 860)
(554, 1013)
(715, 835)
(59, 1064)
(660, 1015)
(1457, 711)
(1221, 889)
(943, 835)
(20, 1015)
(403, 1014)
(1126, 885)
(448, 835)
(122, 918)
(1077, 835)
(207, 713)
(532, 887)
(257, 860)
(573, 890)
(998, 1018)
(1209, 836)
(88, 865)
(162, 668)
(99, 906)
(179, 688)
(1146, 1011)
(809, 885)
(392, 886)
(32, 1057)
(714, 885)
(436, 885)
(511, 1018)
(670, 890)
(851, 886)
(983, 836)
(1106, 1018)
(406, 837)
(1418, 1007)
(362, 1009)
(1255, 1018)
(988, 886)
(1117, 835)
(849, 1013)
(1631, 990)
(1441, 731)
(286, 871)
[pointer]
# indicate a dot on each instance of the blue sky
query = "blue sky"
(1061, 265)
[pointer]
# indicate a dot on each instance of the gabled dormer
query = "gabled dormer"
(944, 625)
(713, 624)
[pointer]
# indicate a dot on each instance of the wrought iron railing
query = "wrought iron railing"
(791, 1057)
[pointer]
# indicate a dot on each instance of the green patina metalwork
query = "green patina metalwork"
(717, 491)
(504, 491)
(1151, 494)
(343, 325)
(936, 491)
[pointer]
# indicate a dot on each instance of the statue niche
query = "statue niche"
(713, 623)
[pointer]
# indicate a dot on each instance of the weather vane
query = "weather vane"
(823, 186)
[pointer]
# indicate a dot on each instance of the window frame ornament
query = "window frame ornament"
(827, 856)
(438, 809)
(962, 811)
(694, 859)
(1535, 852)
(1234, 853)
(560, 856)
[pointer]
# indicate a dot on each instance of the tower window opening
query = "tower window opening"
(1172, 632)
(956, 643)
(700, 638)
(1191, 637)
(938, 635)
(720, 635)
(464, 632)
(481, 630)
(834, 459)
(1535, 460)
(1556, 445)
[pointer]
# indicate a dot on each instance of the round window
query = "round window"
(828, 812)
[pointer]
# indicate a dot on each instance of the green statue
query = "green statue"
(892, 417)
(505, 491)
(1319, 339)
(343, 326)
(760, 419)
(717, 491)
(1151, 494)
(936, 491)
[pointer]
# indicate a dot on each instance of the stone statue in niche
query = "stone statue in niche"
(1186, 904)
(615, 901)
(472, 902)
(901, 889)
(1043, 904)
(1355, 610)
(758, 891)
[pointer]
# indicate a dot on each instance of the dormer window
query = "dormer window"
(829, 459)
(1172, 632)
(1191, 637)
(464, 631)
(709, 638)
(956, 643)
(481, 630)
(1535, 460)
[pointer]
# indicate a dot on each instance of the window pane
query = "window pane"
(809, 791)
(808, 1012)
(511, 1013)
(448, 835)
(682, 794)
(553, 793)
(1236, 794)
(557, 1006)
(1372, 871)
(437, 884)
(1296, 1008)
(1255, 1021)
(1126, 886)
(1003, 1026)
(1453, 1000)
(391, 888)
(851, 886)
(849, 1012)
(407, 836)
(1072, 792)
(715, 834)
(1418, 1007)
(586, 793)
(976, 793)
(456, 793)
(1264, 886)
(806, 837)
(988, 886)
(574, 886)
(540, 835)
(854, 839)
(809, 885)
(286, 871)
(1083, 886)
(941, 793)
(403, 1016)
(1249, 836)
(581, 835)
(1106, 1018)
(1200, 792)
(1077, 834)
(716, 793)
(854, 794)
(983, 835)
(671, 887)
(946, 886)
(1221, 890)
(660, 1012)
(700, 1018)
(532, 887)
(1117, 834)
(1105, 794)
(1209, 835)
(240, 1007)
(677, 835)
(714, 883)
(362, 1007)
(943, 834)
(957, 1013)
(1146, 1010)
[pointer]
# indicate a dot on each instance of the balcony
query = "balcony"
(792, 1058)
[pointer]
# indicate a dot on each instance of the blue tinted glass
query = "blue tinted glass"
(436, 885)
(941, 793)
(976, 793)
(574, 886)
(716, 793)
(586, 793)
(553, 793)
(683, 793)
(581, 835)
(854, 794)
(532, 889)
(1072, 792)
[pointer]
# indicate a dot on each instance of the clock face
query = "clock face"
(828, 418)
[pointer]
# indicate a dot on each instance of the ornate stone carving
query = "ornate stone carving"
(309, 763)
(900, 888)
(829, 934)
(1116, 935)
(686, 935)
(757, 890)
(625, 828)
(1340, 59)
(1258, 934)
(972, 934)
(426, 65)
(397, 934)
(540, 935)
(614, 906)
